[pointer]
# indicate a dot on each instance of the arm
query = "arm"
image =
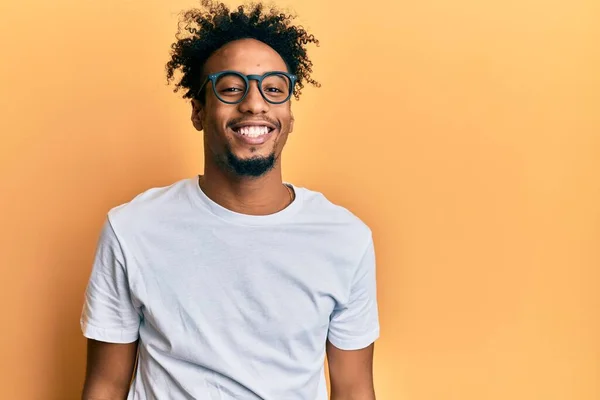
(109, 370)
(110, 320)
(353, 329)
(351, 373)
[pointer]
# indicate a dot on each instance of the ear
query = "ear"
(197, 110)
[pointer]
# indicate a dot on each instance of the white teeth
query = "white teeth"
(254, 131)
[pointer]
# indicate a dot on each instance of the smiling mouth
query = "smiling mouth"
(254, 131)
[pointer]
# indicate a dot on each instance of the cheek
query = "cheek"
(216, 119)
(286, 120)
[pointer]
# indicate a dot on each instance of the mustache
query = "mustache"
(237, 121)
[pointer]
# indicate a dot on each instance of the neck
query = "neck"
(246, 195)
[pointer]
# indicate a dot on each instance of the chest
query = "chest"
(275, 284)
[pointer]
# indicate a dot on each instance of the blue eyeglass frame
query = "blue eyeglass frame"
(247, 78)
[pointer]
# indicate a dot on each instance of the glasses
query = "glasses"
(231, 87)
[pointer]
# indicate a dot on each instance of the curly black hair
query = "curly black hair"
(203, 31)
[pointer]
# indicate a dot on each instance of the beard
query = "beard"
(250, 167)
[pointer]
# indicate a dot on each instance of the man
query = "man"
(233, 284)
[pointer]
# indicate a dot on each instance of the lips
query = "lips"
(253, 122)
(254, 132)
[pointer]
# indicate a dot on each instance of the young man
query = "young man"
(233, 285)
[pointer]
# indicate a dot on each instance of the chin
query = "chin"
(254, 166)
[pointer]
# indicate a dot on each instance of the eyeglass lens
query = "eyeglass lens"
(230, 88)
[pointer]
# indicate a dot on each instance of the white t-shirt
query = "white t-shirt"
(229, 306)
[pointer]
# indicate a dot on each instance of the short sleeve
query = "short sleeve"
(355, 324)
(108, 313)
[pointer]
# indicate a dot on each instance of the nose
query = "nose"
(254, 102)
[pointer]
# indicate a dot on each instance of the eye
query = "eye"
(232, 90)
(274, 90)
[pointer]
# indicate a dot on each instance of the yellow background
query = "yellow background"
(465, 133)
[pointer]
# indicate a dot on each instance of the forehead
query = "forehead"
(248, 56)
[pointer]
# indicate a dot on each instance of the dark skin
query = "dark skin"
(110, 366)
(247, 195)
(109, 370)
(351, 373)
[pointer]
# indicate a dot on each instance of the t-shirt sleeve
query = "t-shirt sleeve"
(109, 314)
(355, 324)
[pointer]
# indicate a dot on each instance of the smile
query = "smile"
(253, 134)
(254, 131)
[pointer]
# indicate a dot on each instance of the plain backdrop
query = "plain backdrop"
(465, 133)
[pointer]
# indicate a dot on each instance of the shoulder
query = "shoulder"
(320, 209)
(153, 204)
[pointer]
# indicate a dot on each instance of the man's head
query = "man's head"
(245, 115)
